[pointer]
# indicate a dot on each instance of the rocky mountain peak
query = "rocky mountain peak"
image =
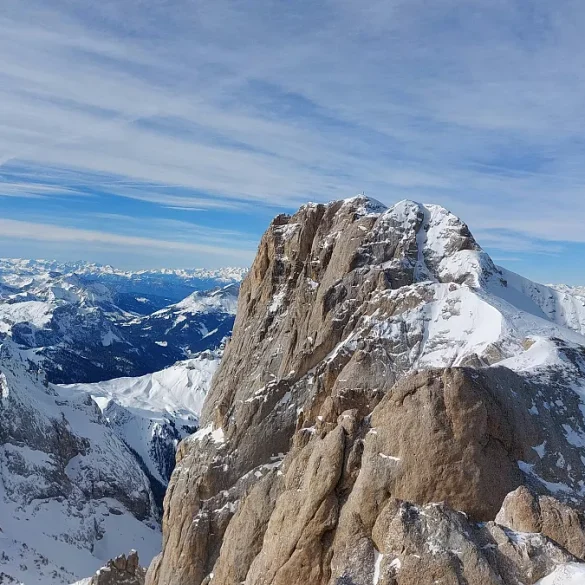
(328, 269)
(410, 242)
(384, 389)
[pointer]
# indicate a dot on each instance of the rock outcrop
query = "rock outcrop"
(524, 511)
(383, 391)
(123, 570)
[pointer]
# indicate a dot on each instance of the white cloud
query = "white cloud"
(25, 230)
(33, 190)
(478, 106)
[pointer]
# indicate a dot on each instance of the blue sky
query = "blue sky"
(169, 132)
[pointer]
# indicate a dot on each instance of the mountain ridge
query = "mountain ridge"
(358, 326)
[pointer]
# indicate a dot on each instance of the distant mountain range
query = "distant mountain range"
(86, 323)
(174, 284)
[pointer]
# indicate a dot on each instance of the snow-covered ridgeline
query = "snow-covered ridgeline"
(152, 413)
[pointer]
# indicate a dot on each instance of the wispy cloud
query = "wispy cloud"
(224, 106)
(53, 233)
(34, 190)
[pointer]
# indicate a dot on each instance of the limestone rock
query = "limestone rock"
(524, 511)
(360, 428)
(123, 570)
(429, 544)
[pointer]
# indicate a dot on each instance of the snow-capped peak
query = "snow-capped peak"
(364, 206)
(435, 243)
(449, 249)
(223, 299)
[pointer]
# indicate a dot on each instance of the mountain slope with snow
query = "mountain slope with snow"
(152, 413)
(83, 467)
(566, 574)
(560, 304)
(71, 491)
(197, 323)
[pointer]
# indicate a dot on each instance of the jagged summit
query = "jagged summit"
(428, 238)
(380, 364)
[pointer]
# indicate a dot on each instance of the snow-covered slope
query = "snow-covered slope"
(559, 303)
(72, 494)
(567, 574)
(178, 390)
(152, 413)
(83, 467)
(460, 309)
(198, 322)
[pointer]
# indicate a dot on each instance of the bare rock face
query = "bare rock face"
(444, 436)
(123, 570)
(434, 544)
(357, 392)
(525, 511)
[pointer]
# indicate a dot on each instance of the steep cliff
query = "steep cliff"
(385, 388)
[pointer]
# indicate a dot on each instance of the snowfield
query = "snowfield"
(178, 390)
(569, 574)
(152, 413)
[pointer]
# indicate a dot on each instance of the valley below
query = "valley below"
(84, 466)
